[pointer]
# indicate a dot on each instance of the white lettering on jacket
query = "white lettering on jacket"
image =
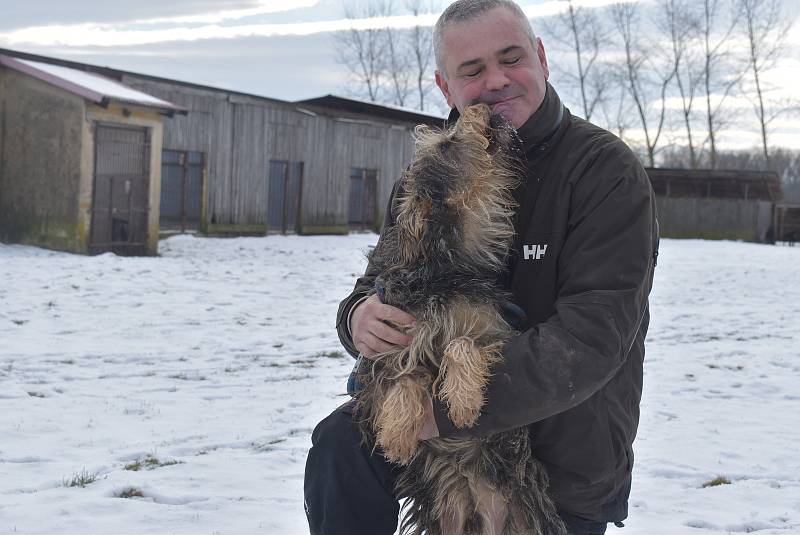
(533, 252)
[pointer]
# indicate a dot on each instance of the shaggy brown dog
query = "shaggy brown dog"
(441, 262)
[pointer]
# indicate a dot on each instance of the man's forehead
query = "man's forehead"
(499, 24)
(496, 16)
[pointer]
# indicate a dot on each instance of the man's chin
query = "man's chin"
(507, 111)
(509, 116)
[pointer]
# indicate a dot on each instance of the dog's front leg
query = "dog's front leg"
(463, 375)
(401, 418)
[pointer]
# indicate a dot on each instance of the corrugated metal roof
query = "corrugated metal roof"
(93, 87)
(386, 111)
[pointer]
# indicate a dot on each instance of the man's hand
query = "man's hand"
(371, 335)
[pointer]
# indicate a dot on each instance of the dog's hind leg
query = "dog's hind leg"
(455, 507)
(402, 416)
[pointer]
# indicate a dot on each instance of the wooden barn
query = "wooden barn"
(238, 163)
(77, 167)
(716, 204)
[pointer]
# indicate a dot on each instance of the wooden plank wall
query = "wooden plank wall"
(240, 135)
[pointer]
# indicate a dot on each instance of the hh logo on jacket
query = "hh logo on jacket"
(533, 252)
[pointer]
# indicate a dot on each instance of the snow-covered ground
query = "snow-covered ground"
(221, 355)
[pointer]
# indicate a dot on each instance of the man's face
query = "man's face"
(490, 59)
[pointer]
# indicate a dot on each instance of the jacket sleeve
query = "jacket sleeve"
(364, 284)
(605, 272)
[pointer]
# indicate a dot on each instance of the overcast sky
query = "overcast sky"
(277, 48)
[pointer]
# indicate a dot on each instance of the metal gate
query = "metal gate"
(120, 200)
(181, 190)
(363, 198)
(283, 201)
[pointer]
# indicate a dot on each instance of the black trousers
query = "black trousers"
(349, 491)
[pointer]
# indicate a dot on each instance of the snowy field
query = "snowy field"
(207, 368)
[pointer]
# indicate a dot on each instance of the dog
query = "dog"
(441, 262)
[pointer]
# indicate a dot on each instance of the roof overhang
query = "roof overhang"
(119, 94)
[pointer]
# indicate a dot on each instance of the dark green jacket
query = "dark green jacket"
(581, 268)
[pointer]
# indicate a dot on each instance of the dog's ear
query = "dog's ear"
(425, 137)
(411, 225)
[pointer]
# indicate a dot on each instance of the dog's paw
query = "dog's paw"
(464, 410)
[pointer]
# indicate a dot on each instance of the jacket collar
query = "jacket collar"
(540, 127)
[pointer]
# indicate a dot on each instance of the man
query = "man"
(581, 268)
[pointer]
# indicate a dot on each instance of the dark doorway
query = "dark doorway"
(363, 198)
(181, 190)
(120, 200)
(283, 196)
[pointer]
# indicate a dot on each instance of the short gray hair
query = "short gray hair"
(463, 10)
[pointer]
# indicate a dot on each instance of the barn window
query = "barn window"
(363, 198)
(283, 195)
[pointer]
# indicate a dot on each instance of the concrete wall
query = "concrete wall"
(40, 163)
(714, 218)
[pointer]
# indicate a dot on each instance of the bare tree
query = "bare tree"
(421, 49)
(766, 30)
(644, 75)
(388, 64)
(716, 31)
(618, 109)
(580, 30)
(679, 23)
(364, 52)
(398, 63)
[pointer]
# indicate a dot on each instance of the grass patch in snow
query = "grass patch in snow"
(268, 445)
(149, 463)
(717, 481)
(186, 377)
(81, 479)
(130, 492)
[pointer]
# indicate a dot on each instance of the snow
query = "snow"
(98, 84)
(221, 354)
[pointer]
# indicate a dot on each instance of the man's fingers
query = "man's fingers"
(389, 334)
(372, 345)
(394, 314)
(375, 327)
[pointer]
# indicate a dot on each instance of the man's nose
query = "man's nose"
(496, 78)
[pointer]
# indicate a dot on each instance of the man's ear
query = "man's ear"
(442, 83)
(542, 58)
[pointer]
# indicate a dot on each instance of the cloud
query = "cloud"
(258, 65)
(229, 24)
(33, 13)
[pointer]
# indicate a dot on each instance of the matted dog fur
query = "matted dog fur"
(441, 262)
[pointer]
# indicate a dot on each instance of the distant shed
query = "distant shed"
(77, 172)
(715, 204)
